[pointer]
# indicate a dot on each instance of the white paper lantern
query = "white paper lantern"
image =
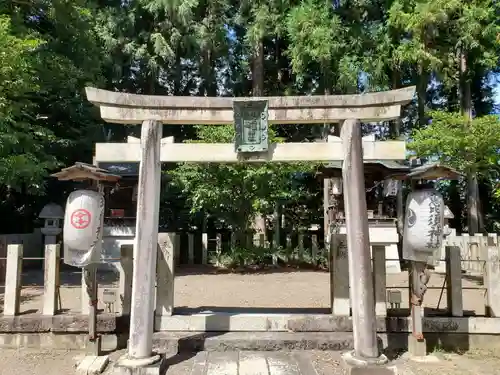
(83, 227)
(424, 222)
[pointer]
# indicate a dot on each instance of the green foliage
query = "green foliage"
(51, 50)
(235, 193)
(257, 257)
(465, 145)
(23, 158)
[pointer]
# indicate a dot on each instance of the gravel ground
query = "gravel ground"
(202, 288)
(30, 362)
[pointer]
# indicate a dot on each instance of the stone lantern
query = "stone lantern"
(447, 216)
(53, 215)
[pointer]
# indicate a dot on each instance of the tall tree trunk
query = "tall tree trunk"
(330, 201)
(259, 224)
(209, 85)
(178, 74)
(258, 70)
(422, 81)
(394, 133)
(472, 183)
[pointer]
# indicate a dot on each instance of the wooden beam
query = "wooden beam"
(218, 116)
(224, 152)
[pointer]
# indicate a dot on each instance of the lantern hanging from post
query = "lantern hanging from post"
(423, 229)
(83, 227)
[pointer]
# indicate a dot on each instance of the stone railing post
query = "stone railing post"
(12, 300)
(454, 281)
(126, 272)
(492, 277)
(339, 271)
(379, 279)
(466, 250)
(204, 248)
(51, 276)
(165, 276)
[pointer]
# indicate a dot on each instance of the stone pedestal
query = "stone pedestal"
(416, 347)
(94, 347)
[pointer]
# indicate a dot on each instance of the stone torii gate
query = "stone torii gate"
(153, 111)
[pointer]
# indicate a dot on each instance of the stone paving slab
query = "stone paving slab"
(29, 362)
(321, 363)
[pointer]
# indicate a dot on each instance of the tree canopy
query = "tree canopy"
(51, 50)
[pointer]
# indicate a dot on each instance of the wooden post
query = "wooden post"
(379, 279)
(492, 277)
(51, 275)
(12, 300)
(218, 247)
(233, 240)
(140, 342)
(301, 245)
(177, 248)
(191, 248)
(314, 248)
(165, 277)
(126, 271)
(454, 281)
(90, 276)
(277, 226)
(358, 243)
(84, 295)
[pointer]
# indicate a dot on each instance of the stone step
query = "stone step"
(168, 342)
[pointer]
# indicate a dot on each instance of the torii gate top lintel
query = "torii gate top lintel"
(117, 107)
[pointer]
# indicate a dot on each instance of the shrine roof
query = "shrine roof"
(83, 171)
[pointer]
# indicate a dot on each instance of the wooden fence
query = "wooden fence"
(473, 251)
(488, 255)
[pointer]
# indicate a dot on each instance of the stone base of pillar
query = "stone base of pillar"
(351, 359)
(367, 366)
(154, 365)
